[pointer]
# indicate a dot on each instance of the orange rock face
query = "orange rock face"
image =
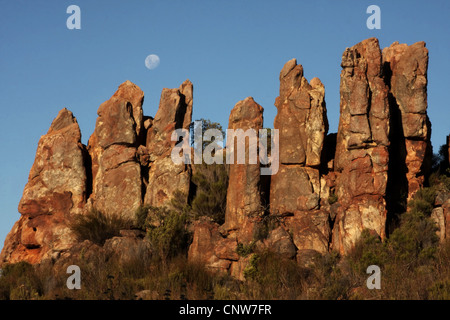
(362, 157)
(301, 117)
(206, 248)
(116, 173)
(296, 188)
(243, 195)
(406, 68)
(165, 178)
(56, 190)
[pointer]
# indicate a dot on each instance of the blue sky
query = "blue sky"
(229, 49)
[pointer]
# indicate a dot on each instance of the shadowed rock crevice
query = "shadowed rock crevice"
(406, 69)
(397, 184)
(362, 158)
(87, 160)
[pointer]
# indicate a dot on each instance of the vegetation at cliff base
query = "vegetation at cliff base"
(98, 227)
(414, 263)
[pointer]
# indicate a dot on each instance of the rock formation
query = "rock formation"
(243, 199)
(116, 172)
(362, 157)
(406, 73)
(56, 190)
(68, 178)
(210, 248)
(165, 178)
(296, 189)
(243, 196)
(328, 189)
(244, 187)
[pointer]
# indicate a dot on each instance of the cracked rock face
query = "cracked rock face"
(56, 190)
(116, 173)
(296, 188)
(243, 195)
(407, 67)
(362, 157)
(166, 178)
(301, 117)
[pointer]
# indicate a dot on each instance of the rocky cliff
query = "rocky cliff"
(328, 189)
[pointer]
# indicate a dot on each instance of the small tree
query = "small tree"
(211, 182)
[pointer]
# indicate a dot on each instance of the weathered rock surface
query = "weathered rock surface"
(207, 249)
(217, 246)
(128, 249)
(296, 188)
(279, 241)
(116, 172)
(243, 195)
(56, 190)
(362, 157)
(301, 117)
(165, 177)
(441, 214)
(406, 68)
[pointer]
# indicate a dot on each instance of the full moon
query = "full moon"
(152, 61)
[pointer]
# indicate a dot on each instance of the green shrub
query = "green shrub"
(210, 181)
(251, 270)
(415, 242)
(423, 201)
(329, 279)
(368, 250)
(167, 232)
(19, 281)
(271, 276)
(337, 287)
(244, 250)
(98, 227)
(211, 195)
(141, 217)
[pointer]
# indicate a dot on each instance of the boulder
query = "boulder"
(280, 242)
(209, 248)
(310, 231)
(128, 249)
